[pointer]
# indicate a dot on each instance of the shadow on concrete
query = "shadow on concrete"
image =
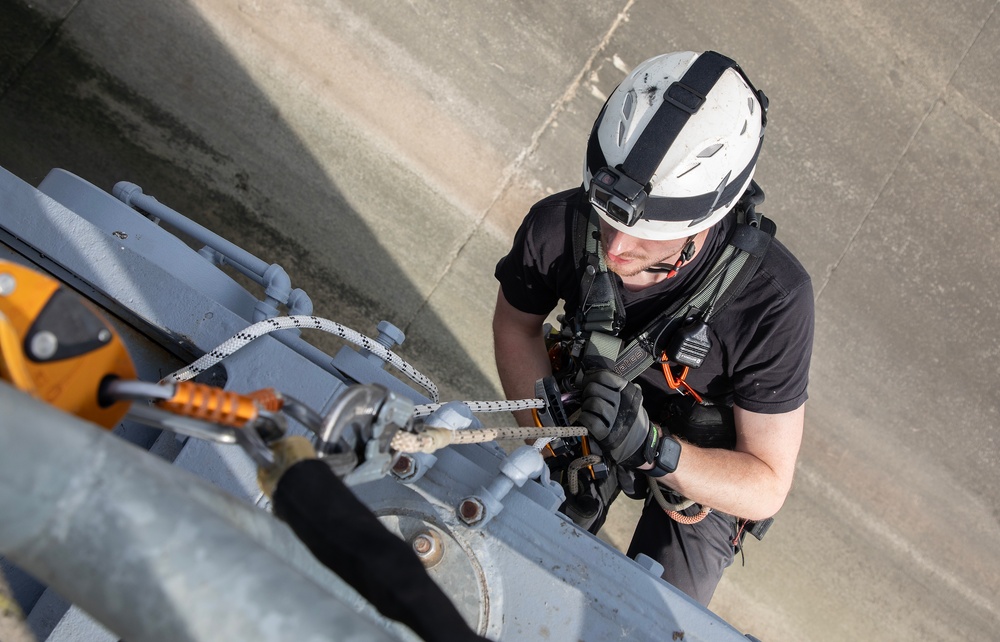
(54, 112)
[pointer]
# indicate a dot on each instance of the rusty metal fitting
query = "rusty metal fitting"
(428, 547)
(405, 467)
(471, 511)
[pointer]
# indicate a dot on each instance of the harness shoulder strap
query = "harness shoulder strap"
(752, 239)
(728, 277)
(600, 313)
(601, 308)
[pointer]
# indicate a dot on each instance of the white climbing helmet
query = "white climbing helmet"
(675, 145)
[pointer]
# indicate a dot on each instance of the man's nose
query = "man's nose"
(616, 242)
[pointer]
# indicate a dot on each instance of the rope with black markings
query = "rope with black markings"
(248, 335)
(301, 322)
(428, 441)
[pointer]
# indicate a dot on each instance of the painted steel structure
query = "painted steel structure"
(484, 521)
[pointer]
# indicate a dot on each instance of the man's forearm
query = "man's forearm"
(751, 481)
(729, 481)
(520, 354)
(520, 362)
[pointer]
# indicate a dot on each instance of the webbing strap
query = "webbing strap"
(598, 295)
(602, 349)
(728, 277)
(682, 99)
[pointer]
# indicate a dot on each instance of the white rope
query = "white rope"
(436, 438)
(267, 326)
(574, 470)
(540, 443)
(422, 410)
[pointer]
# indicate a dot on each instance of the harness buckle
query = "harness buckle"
(684, 97)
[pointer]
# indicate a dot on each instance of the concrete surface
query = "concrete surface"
(384, 151)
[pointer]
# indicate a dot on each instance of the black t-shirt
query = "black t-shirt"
(761, 342)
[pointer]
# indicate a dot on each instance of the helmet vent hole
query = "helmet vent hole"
(744, 128)
(628, 104)
(750, 105)
(692, 168)
(621, 133)
(710, 151)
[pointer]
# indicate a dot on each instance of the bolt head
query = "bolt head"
(422, 545)
(44, 345)
(428, 547)
(7, 284)
(404, 468)
(471, 511)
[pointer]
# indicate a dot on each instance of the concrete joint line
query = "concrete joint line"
(511, 170)
(935, 105)
(49, 38)
(560, 105)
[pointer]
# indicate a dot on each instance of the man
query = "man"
(714, 409)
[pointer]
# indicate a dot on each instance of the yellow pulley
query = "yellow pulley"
(58, 347)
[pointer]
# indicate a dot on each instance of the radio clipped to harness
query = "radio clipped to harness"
(690, 344)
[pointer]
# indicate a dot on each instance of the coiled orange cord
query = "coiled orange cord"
(688, 519)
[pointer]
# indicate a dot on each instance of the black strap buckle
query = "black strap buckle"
(683, 97)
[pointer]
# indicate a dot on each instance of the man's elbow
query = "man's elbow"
(765, 509)
(769, 501)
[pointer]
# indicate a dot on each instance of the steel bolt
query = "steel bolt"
(428, 547)
(44, 345)
(471, 510)
(404, 467)
(423, 545)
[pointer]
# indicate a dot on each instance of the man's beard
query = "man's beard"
(639, 262)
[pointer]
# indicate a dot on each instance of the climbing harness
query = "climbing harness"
(678, 338)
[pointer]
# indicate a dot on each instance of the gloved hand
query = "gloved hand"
(611, 410)
(287, 452)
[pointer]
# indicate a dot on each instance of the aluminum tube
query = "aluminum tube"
(132, 195)
(153, 552)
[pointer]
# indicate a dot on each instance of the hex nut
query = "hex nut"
(428, 547)
(471, 510)
(404, 468)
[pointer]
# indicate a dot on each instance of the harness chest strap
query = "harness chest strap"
(728, 276)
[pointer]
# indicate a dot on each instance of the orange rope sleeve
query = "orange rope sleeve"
(209, 403)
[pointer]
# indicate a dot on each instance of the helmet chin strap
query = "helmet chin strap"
(687, 253)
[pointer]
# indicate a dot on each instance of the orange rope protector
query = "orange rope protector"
(219, 406)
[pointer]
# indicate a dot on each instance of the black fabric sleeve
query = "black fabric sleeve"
(775, 337)
(539, 270)
(349, 540)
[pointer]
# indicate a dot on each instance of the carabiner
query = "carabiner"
(678, 383)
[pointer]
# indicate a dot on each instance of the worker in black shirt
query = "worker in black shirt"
(687, 329)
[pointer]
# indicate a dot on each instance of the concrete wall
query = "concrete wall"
(384, 151)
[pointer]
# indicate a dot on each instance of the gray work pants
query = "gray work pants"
(693, 556)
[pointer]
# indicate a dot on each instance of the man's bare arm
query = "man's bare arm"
(751, 481)
(520, 353)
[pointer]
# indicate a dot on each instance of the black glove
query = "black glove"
(611, 410)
